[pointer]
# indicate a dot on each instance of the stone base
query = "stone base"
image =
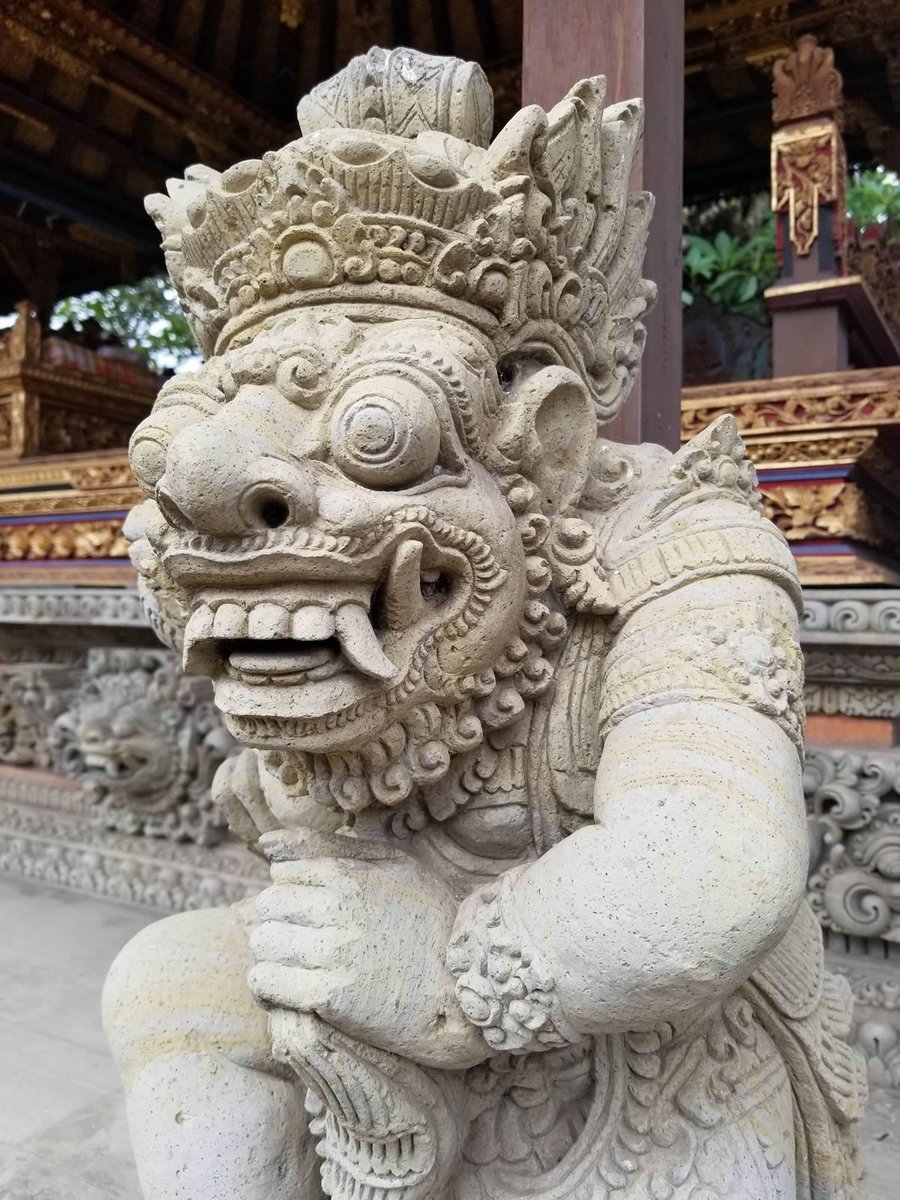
(46, 834)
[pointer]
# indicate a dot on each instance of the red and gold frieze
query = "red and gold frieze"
(61, 519)
(29, 541)
(834, 405)
(71, 485)
(808, 170)
(57, 397)
(827, 452)
(66, 414)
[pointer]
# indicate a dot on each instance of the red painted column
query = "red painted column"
(639, 46)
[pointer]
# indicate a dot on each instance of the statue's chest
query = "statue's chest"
(503, 804)
(491, 826)
(496, 826)
(494, 821)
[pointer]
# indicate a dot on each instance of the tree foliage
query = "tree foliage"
(146, 316)
(729, 245)
(873, 198)
(729, 255)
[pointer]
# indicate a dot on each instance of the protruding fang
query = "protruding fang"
(199, 631)
(269, 621)
(312, 624)
(359, 643)
(403, 597)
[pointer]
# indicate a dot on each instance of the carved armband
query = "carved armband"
(503, 986)
(739, 657)
(691, 563)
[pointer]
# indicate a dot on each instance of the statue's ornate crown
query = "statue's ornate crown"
(395, 194)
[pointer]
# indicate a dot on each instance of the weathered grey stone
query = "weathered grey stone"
(72, 606)
(526, 705)
(853, 795)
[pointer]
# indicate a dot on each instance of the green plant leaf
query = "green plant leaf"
(146, 316)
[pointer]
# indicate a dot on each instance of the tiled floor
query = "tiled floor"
(62, 1125)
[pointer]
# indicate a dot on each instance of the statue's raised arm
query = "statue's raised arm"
(523, 707)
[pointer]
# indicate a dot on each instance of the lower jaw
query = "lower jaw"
(316, 718)
(315, 736)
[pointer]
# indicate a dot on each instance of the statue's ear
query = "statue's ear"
(550, 429)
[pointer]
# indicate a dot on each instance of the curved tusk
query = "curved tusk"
(359, 643)
(403, 596)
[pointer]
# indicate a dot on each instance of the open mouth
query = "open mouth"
(287, 660)
(314, 631)
(101, 765)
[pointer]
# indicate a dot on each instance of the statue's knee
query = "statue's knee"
(181, 985)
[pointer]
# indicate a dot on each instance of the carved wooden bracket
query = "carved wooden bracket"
(808, 162)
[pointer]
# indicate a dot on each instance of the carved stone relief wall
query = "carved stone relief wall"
(31, 695)
(851, 640)
(853, 799)
(107, 755)
(144, 741)
(849, 613)
(46, 834)
(875, 984)
(853, 682)
(139, 739)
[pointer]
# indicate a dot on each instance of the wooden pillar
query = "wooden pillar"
(639, 46)
(809, 197)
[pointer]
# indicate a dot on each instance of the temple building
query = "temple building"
(759, 116)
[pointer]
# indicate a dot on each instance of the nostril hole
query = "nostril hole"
(274, 513)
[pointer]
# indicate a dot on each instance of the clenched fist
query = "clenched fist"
(356, 932)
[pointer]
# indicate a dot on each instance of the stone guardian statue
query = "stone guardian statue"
(522, 706)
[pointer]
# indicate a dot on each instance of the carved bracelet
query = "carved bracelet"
(502, 985)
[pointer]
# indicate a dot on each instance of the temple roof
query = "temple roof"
(100, 102)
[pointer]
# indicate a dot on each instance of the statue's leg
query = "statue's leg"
(211, 1114)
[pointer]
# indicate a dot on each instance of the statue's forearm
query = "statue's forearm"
(693, 871)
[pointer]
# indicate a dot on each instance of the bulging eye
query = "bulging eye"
(386, 435)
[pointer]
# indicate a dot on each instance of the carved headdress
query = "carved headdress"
(395, 193)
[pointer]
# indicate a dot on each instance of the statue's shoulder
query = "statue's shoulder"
(664, 491)
(652, 520)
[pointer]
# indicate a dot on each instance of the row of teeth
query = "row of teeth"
(350, 624)
(347, 620)
(391, 1158)
(299, 539)
(309, 623)
(339, 1182)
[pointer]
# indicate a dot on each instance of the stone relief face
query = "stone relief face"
(335, 509)
(120, 750)
(143, 741)
(119, 741)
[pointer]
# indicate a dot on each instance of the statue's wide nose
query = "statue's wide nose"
(217, 481)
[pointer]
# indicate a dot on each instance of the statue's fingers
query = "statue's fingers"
(306, 990)
(336, 873)
(295, 945)
(293, 845)
(299, 904)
